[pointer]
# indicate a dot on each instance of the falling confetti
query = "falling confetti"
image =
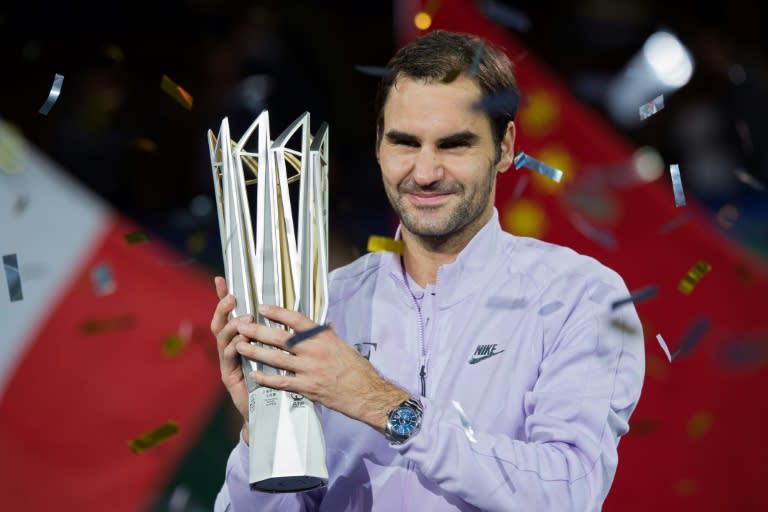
(550, 308)
(476, 59)
(102, 280)
(501, 103)
(675, 223)
(176, 92)
(727, 216)
(746, 352)
(305, 335)
(677, 185)
(685, 487)
(374, 70)
(469, 431)
(693, 276)
(637, 296)
(692, 338)
(700, 424)
(652, 107)
(144, 144)
(664, 347)
(153, 437)
(506, 303)
(527, 161)
(643, 426)
(106, 324)
(623, 326)
(114, 52)
(507, 16)
(384, 244)
(173, 345)
(136, 237)
(520, 186)
(12, 276)
(595, 234)
(749, 180)
(53, 95)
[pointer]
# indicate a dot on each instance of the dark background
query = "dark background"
(117, 132)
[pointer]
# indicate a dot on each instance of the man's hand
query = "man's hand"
(226, 339)
(326, 369)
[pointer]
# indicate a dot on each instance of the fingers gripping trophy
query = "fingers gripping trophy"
(286, 443)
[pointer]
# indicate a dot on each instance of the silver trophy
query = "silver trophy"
(287, 447)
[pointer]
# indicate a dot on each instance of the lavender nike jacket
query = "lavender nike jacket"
(516, 333)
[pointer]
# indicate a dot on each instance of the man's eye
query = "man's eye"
(407, 143)
(454, 145)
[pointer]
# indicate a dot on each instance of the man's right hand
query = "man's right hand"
(229, 360)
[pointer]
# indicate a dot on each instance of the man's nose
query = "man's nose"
(428, 167)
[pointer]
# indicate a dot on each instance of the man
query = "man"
(495, 379)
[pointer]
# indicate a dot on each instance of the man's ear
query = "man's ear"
(507, 148)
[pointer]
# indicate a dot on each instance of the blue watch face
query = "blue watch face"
(404, 421)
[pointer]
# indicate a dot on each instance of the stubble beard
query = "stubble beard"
(449, 225)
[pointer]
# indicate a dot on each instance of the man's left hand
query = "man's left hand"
(326, 369)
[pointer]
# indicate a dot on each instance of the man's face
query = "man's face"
(437, 156)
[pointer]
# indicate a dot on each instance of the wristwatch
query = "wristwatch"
(404, 421)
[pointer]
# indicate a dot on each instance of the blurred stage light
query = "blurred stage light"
(669, 59)
(662, 66)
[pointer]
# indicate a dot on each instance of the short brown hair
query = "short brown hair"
(436, 55)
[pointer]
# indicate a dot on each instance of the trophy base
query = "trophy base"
(289, 484)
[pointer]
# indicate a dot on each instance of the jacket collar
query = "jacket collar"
(460, 279)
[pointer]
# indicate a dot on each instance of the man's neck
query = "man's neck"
(424, 256)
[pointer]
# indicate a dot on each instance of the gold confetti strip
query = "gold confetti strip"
(623, 326)
(100, 325)
(176, 92)
(136, 237)
(173, 345)
(693, 276)
(700, 424)
(643, 426)
(384, 244)
(153, 437)
(12, 148)
(685, 487)
(114, 52)
(144, 144)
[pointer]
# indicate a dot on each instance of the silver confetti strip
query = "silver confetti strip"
(374, 70)
(527, 161)
(469, 431)
(677, 185)
(53, 95)
(506, 303)
(664, 346)
(692, 338)
(595, 234)
(652, 107)
(103, 282)
(12, 276)
(637, 296)
(520, 186)
(749, 180)
(550, 308)
(305, 335)
(476, 59)
(675, 223)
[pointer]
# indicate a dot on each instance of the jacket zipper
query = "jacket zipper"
(422, 346)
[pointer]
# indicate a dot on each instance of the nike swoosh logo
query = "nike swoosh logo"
(483, 358)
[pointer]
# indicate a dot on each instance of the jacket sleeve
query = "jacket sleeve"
(236, 495)
(589, 382)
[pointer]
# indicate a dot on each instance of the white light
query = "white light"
(648, 164)
(669, 59)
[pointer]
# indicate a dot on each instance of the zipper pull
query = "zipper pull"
(423, 375)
